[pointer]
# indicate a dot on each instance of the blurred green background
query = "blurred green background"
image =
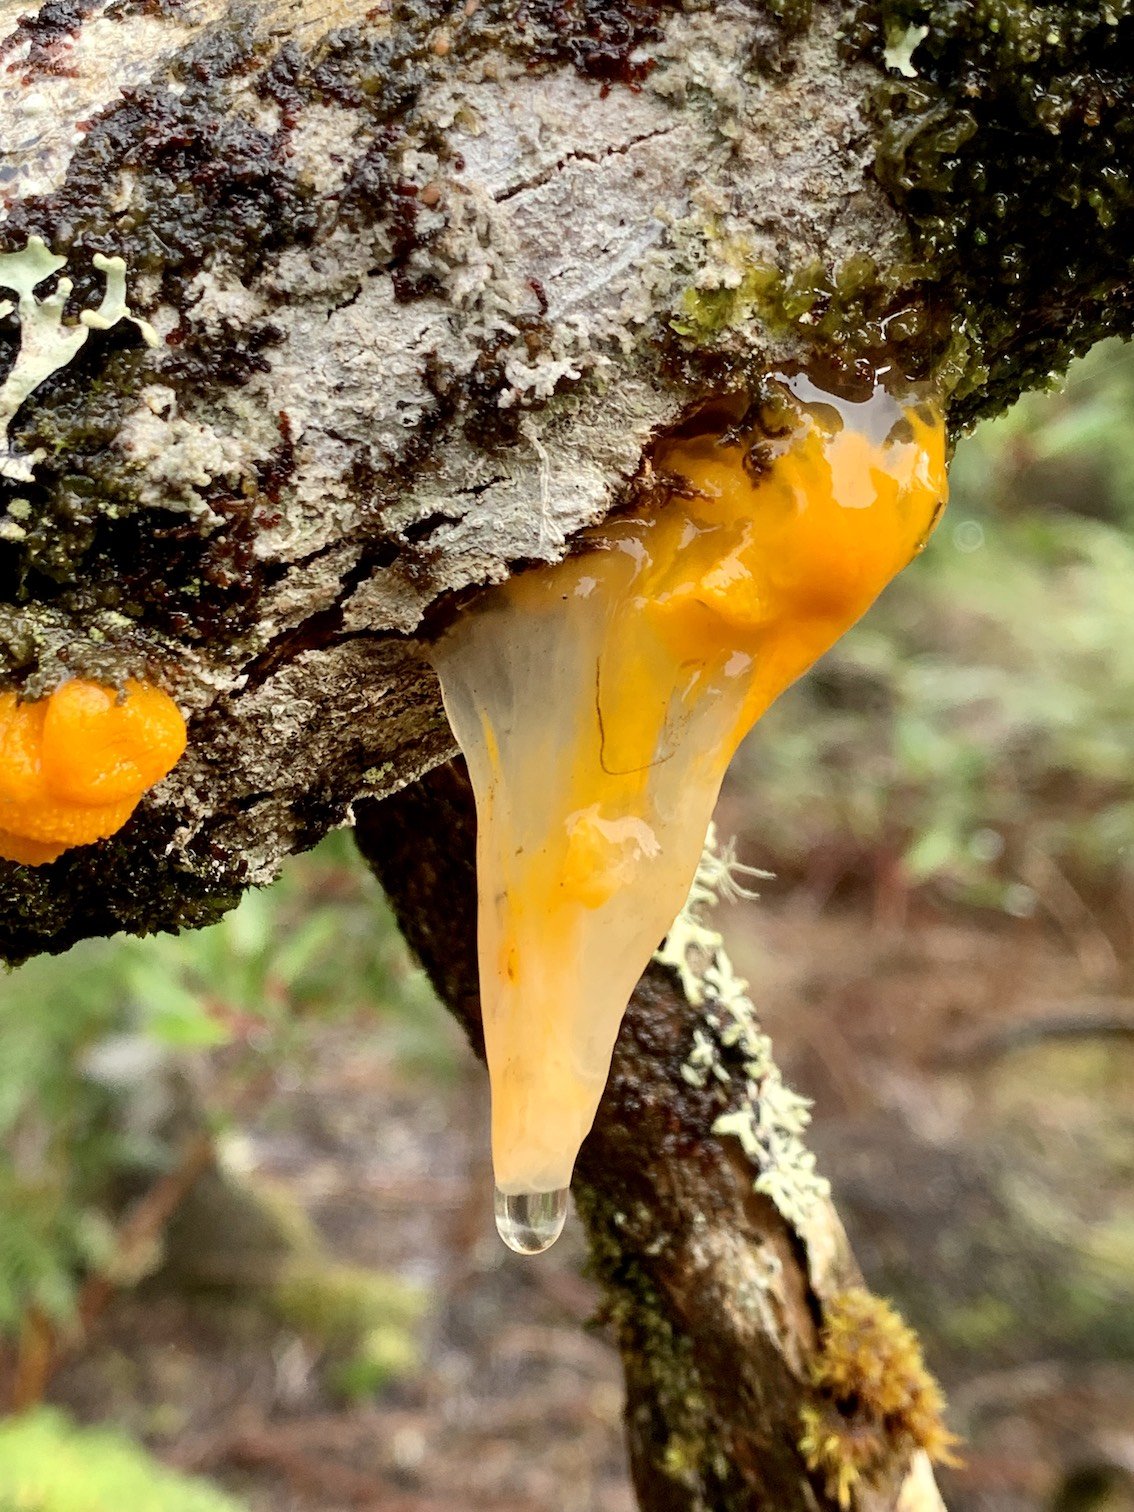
(243, 1193)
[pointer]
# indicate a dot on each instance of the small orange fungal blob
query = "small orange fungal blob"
(598, 703)
(74, 765)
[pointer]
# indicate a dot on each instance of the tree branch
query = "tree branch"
(716, 1297)
(426, 279)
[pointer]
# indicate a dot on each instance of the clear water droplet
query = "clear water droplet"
(530, 1222)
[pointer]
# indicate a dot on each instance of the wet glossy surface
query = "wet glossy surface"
(598, 703)
(74, 766)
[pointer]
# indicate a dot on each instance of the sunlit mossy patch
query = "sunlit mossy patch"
(877, 1402)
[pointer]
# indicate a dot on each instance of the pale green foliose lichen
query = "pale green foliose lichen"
(729, 1046)
(46, 343)
(901, 44)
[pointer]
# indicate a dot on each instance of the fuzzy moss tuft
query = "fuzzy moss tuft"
(876, 1397)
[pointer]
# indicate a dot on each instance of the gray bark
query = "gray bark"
(413, 299)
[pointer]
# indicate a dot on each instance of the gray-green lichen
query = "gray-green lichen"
(730, 1048)
(45, 343)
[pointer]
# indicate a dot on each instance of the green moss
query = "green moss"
(705, 313)
(1005, 138)
(875, 1400)
(1010, 154)
(852, 311)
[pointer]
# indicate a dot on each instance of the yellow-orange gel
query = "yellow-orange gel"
(73, 766)
(599, 701)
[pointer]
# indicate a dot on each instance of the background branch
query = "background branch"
(714, 1297)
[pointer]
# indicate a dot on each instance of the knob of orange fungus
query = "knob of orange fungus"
(598, 702)
(74, 765)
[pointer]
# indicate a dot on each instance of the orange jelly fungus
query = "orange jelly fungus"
(73, 766)
(598, 703)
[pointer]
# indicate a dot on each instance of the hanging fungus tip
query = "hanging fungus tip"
(74, 765)
(599, 700)
(530, 1222)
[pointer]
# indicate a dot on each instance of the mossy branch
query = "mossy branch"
(760, 1374)
(424, 281)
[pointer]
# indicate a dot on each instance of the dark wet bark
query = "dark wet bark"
(712, 1296)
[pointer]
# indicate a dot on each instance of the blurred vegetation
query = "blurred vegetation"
(364, 1319)
(48, 1465)
(87, 1037)
(979, 723)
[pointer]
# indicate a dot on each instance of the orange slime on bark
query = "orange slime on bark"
(598, 703)
(74, 765)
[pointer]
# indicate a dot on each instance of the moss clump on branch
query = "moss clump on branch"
(877, 1401)
(1004, 135)
(1007, 142)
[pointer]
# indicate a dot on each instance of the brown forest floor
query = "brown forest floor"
(986, 1182)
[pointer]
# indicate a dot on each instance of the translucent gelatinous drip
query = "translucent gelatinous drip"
(599, 701)
(530, 1222)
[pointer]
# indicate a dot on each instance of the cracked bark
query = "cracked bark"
(427, 278)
